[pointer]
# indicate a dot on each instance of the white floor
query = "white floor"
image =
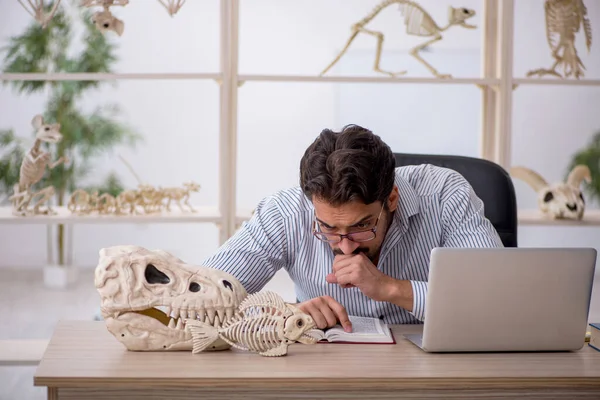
(30, 311)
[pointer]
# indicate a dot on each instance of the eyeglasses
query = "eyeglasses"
(359, 236)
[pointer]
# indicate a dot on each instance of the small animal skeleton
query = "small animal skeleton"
(32, 170)
(264, 324)
(561, 200)
(564, 18)
(104, 20)
(172, 6)
(418, 22)
(36, 10)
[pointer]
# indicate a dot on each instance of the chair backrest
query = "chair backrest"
(492, 184)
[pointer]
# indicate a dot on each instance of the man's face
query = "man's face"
(355, 217)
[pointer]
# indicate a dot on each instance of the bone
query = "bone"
(121, 278)
(578, 174)
(531, 177)
(211, 315)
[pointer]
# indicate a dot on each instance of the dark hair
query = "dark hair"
(351, 165)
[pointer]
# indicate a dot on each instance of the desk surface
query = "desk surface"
(84, 354)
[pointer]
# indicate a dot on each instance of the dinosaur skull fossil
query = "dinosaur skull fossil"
(458, 16)
(146, 296)
(561, 200)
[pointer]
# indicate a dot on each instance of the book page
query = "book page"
(364, 329)
(366, 326)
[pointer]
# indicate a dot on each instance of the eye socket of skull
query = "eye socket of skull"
(548, 197)
(194, 287)
(153, 275)
(227, 284)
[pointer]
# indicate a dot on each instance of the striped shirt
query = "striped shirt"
(437, 207)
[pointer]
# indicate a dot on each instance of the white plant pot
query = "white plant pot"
(59, 276)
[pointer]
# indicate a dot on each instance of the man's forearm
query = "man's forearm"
(400, 293)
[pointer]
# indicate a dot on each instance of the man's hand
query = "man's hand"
(326, 312)
(357, 270)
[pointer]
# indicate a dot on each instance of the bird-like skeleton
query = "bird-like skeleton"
(32, 170)
(564, 18)
(418, 23)
(36, 10)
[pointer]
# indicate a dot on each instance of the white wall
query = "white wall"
(179, 119)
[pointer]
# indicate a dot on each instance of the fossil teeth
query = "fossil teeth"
(221, 314)
(175, 313)
(180, 323)
(229, 313)
(172, 323)
(211, 315)
(201, 314)
(192, 314)
(217, 322)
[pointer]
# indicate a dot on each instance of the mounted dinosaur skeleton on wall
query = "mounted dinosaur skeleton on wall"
(36, 10)
(560, 200)
(32, 170)
(564, 18)
(418, 23)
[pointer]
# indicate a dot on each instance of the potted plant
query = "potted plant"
(85, 135)
(590, 156)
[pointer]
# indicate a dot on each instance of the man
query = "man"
(356, 235)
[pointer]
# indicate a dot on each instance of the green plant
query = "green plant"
(590, 156)
(85, 135)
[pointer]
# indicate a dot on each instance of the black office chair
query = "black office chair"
(492, 184)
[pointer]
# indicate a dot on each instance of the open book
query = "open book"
(364, 330)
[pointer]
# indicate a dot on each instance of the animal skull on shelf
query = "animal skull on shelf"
(147, 295)
(104, 20)
(560, 200)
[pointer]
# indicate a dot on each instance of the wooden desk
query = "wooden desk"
(84, 361)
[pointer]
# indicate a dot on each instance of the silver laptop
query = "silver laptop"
(507, 299)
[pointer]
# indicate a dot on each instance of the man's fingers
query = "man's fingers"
(330, 278)
(340, 313)
(342, 261)
(328, 313)
(316, 315)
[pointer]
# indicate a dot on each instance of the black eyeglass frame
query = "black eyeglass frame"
(338, 237)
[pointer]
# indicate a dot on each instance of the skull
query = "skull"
(105, 21)
(146, 296)
(49, 133)
(458, 16)
(561, 200)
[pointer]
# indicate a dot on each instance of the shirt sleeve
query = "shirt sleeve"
(255, 252)
(464, 225)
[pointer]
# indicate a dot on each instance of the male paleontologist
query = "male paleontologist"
(356, 235)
